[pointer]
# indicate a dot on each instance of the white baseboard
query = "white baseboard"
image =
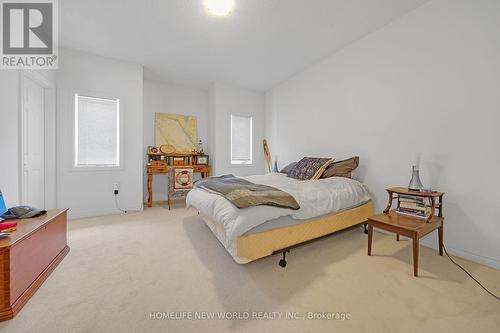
(79, 214)
(432, 243)
(488, 261)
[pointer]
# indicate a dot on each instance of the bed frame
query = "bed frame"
(250, 247)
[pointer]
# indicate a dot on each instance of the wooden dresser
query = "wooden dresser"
(28, 256)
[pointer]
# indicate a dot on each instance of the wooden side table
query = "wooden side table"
(408, 226)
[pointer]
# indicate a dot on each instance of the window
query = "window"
(241, 139)
(97, 132)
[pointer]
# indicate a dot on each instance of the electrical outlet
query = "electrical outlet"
(116, 188)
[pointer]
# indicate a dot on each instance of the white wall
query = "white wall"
(223, 101)
(428, 82)
(90, 192)
(271, 127)
(169, 98)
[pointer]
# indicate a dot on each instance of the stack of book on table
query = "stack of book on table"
(413, 206)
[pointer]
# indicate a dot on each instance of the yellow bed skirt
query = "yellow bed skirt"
(250, 247)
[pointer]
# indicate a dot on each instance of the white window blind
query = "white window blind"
(241, 139)
(97, 132)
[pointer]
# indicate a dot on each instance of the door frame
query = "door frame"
(49, 89)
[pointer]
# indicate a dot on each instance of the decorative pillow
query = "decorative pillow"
(288, 168)
(183, 178)
(341, 168)
(309, 168)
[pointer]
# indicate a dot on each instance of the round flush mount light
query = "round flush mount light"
(219, 7)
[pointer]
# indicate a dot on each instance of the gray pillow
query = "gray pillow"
(288, 168)
(309, 168)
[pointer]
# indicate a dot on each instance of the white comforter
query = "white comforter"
(315, 197)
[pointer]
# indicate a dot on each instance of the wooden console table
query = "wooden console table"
(28, 256)
(159, 169)
(409, 226)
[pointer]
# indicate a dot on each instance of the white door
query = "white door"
(33, 119)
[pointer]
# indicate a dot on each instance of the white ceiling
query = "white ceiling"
(262, 43)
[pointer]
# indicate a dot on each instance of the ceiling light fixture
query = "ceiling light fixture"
(219, 7)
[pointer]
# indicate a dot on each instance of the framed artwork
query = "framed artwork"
(202, 159)
(175, 133)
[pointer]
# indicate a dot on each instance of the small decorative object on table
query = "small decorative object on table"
(167, 149)
(199, 147)
(415, 183)
(202, 159)
(275, 167)
(408, 220)
(153, 150)
(178, 161)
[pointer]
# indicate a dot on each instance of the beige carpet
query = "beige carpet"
(121, 268)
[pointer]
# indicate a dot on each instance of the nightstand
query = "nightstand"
(412, 227)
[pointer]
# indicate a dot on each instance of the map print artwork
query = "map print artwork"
(177, 130)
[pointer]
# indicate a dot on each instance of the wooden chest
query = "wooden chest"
(28, 256)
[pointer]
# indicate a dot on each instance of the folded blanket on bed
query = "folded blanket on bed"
(243, 193)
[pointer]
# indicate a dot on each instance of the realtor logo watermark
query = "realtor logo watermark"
(29, 34)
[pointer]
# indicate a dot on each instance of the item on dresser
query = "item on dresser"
(199, 147)
(202, 159)
(8, 226)
(154, 158)
(178, 161)
(22, 212)
(167, 149)
(3, 207)
(152, 150)
(342, 168)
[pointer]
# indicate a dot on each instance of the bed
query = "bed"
(326, 206)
